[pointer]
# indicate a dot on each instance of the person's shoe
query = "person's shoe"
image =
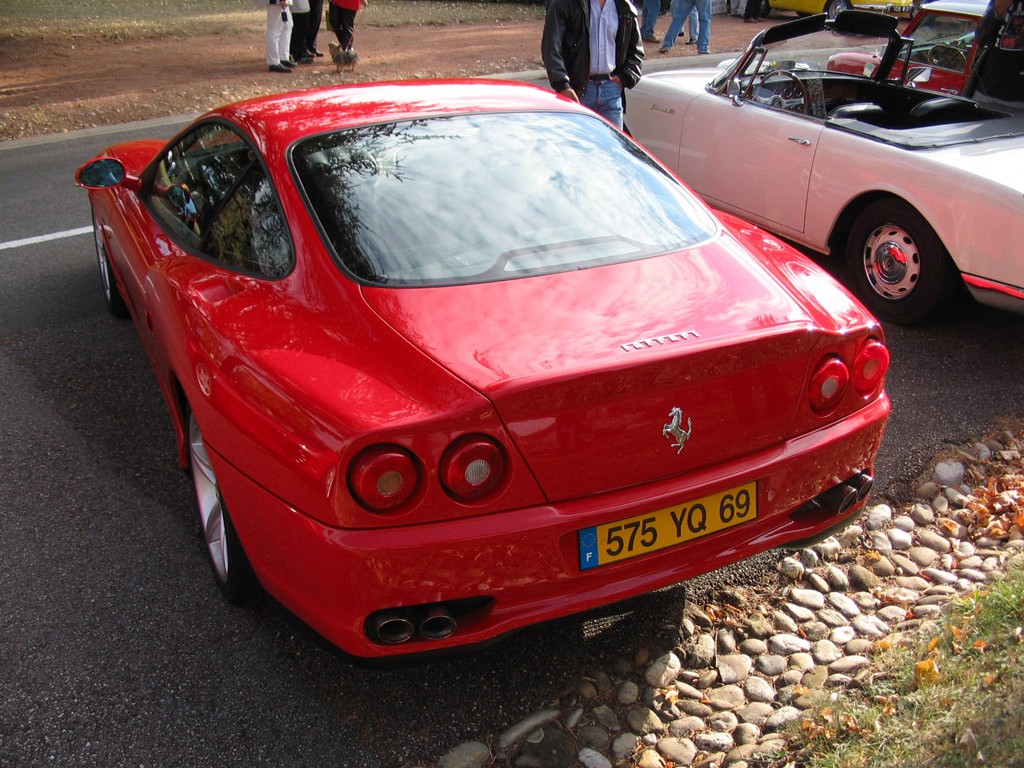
(749, 21)
(705, 52)
(288, 63)
(692, 41)
(663, 49)
(652, 39)
(279, 68)
(314, 52)
(306, 60)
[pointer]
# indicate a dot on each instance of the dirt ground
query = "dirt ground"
(91, 82)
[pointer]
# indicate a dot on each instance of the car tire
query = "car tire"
(111, 293)
(232, 571)
(834, 7)
(900, 269)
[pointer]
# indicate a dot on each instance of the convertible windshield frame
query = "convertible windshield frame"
(486, 196)
(811, 42)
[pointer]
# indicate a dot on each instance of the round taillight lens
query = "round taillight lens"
(828, 384)
(472, 467)
(870, 367)
(383, 478)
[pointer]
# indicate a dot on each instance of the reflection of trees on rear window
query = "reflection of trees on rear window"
(212, 192)
(483, 197)
(249, 232)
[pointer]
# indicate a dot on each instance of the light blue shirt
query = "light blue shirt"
(604, 25)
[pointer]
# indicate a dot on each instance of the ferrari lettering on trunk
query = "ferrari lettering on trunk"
(655, 341)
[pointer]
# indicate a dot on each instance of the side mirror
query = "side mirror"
(734, 92)
(105, 173)
(919, 77)
(101, 174)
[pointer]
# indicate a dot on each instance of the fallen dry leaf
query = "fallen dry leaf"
(926, 673)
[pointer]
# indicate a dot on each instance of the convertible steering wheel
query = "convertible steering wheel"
(947, 57)
(787, 98)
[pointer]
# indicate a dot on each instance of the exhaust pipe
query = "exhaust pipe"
(838, 499)
(437, 623)
(863, 482)
(391, 627)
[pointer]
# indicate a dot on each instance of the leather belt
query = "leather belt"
(599, 78)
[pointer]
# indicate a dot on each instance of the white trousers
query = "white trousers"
(279, 33)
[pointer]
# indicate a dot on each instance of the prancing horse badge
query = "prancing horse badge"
(674, 429)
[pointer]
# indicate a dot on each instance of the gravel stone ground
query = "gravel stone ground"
(740, 668)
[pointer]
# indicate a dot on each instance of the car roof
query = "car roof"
(283, 118)
(968, 7)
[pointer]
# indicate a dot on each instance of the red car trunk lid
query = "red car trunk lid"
(585, 368)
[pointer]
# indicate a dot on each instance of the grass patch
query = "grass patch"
(951, 700)
(147, 19)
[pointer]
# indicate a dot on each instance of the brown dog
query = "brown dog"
(342, 59)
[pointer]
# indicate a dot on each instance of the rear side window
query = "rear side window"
(212, 194)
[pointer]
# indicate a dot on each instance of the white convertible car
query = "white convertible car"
(813, 135)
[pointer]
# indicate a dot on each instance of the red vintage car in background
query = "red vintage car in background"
(445, 359)
(939, 52)
(943, 44)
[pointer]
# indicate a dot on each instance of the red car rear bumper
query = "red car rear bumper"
(524, 565)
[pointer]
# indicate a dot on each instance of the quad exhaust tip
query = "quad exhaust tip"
(437, 624)
(399, 625)
(391, 627)
(836, 501)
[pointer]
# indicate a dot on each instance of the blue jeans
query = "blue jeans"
(693, 23)
(650, 17)
(680, 10)
(605, 98)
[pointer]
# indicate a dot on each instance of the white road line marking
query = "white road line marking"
(45, 238)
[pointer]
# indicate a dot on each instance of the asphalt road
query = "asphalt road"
(115, 647)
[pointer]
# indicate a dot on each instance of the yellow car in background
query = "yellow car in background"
(833, 7)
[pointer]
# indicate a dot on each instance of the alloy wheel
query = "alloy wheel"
(211, 506)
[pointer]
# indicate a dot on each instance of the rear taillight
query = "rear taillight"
(384, 477)
(472, 467)
(870, 367)
(828, 384)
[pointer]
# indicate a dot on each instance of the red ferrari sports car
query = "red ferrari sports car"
(445, 359)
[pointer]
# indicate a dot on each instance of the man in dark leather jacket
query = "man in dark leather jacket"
(593, 78)
(997, 77)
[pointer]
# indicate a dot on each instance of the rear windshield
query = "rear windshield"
(484, 197)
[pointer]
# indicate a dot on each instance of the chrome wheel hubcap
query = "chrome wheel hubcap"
(211, 508)
(892, 262)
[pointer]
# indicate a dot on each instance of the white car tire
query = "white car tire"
(834, 7)
(900, 269)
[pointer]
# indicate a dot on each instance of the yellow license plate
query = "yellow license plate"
(622, 539)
